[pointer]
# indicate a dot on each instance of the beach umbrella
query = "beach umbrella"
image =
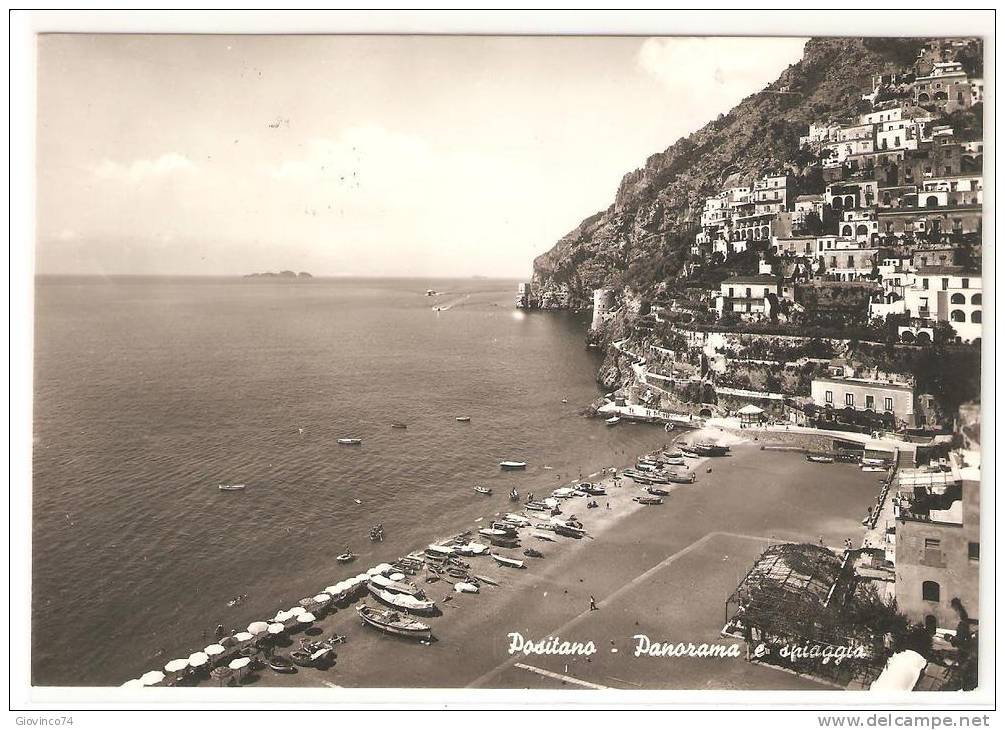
(244, 636)
(258, 627)
(362, 576)
(335, 589)
(214, 650)
(397, 576)
(306, 618)
(307, 603)
(133, 683)
(276, 629)
(151, 678)
(297, 611)
(221, 673)
(176, 665)
(322, 597)
(197, 659)
(384, 567)
(373, 572)
(240, 663)
(282, 616)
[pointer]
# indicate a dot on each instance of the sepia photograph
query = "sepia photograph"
(582, 364)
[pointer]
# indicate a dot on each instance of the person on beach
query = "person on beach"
(219, 631)
(593, 604)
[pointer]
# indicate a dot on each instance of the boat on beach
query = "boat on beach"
(537, 506)
(471, 549)
(515, 519)
(512, 465)
(820, 458)
(483, 490)
(657, 492)
(391, 622)
(396, 586)
(681, 478)
(350, 441)
(401, 601)
(231, 487)
(613, 420)
(648, 500)
(568, 530)
(707, 448)
(508, 562)
(688, 453)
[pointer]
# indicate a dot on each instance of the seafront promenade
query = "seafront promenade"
(663, 571)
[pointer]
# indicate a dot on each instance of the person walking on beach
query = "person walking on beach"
(219, 631)
(593, 604)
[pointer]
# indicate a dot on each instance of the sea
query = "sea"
(149, 392)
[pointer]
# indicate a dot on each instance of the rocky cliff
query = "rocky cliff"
(644, 237)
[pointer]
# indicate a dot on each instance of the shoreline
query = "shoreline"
(554, 590)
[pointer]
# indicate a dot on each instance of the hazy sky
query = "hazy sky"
(447, 156)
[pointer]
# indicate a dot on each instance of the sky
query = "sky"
(356, 155)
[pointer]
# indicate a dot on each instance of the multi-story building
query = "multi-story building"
(750, 297)
(861, 224)
(849, 194)
(850, 264)
(865, 394)
(946, 88)
(947, 294)
(938, 547)
(771, 194)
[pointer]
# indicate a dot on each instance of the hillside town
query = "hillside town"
(838, 296)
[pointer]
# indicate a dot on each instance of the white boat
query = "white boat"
(508, 562)
(491, 532)
(483, 490)
(439, 551)
(511, 465)
(518, 520)
(396, 586)
(231, 487)
(472, 549)
(563, 493)
(463, 419)
(391, 622)
(401, 601)
(613, 420)
(464, 587)
(820, 458)
(350, 442)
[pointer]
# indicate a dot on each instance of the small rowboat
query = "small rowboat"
(568, 530)
(346, 557)
(648, 500)
(350, 442)
(820, 458)
(231, 487)
(463, 419)
(656, 491)
(688, 453)
(483, 490)
(508, 562)
(613, 420)
(512, 465)
(398, 425)
(391, 622)
(537, 506)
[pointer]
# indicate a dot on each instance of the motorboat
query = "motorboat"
(507, 527)
(568, 530)
(537, 506)
(471, 549)
(463, 419)
(483, 490)
(491, 532)
(512, 465)
(401, 600)
(508, 562)
(441, 552)
(674, 461)
(346, 557)
(563, 493)
(594, 490)
(706, 448)
(399, 425)
(681, 478)
(648, 500)
(231, 487)
(613, 420)
(689, 453)
(350, 442)
(515, 519)
(392, 622)
(820, 458)
(397, 586)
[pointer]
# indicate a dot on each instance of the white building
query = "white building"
(946, 294)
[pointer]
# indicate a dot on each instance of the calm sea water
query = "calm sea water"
(151, 391)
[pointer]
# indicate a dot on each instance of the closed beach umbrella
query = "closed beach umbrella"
(214, 650)
(221, 674)
(257, 627)
(306, 618)
(176, 665)
(244, 636)
(275, 629)
(240, 663)
(133, 683)
(151, 678)
(197, 659)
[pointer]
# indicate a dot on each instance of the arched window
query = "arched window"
(924, 339)
(975, 299)
(957, 315)
(975, 316)
(907, 336)
(931, 202)
(922, 98)
(862, 230)
(849, 202)
(958, 298)
(846, 231)
(930, 591)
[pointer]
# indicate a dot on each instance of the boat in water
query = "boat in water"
(514, 496)
(613, 420)
(512, 465)
(707, 448)
(463, 419)
(399, 425)
(483, 490)
(508, 562)
(346, 557)
(231, 487)
(392, 622)
(401, 601)
(350, 442)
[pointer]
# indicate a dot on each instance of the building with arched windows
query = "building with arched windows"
(947, 294)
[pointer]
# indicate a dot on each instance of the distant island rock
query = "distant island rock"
(280, 275)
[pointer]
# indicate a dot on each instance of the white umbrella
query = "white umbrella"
(297, 611)
(322, 598)
(384, 567)
(240, 663)
(282, 616)
(197, 659)
(362, 576)
(334, 590)
(176, 665)
(276, 629)
(306, 618)
(214, 650)
(152, 678)
(257, 627)
(244, 636)
(373, 571)
(397, 576)
(133, 683)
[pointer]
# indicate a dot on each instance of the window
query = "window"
(932, 544)
(829, 396)
(974, 550)
(870, 403)
(945, 284)
(965, 283)
(957, 315)
(924, 282)
(975, 299)
(930, 591)
(731, 292)
(888, 404)
(975, 316)
(958, 298)
(849, 399)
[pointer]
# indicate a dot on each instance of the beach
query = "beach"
(661, 571)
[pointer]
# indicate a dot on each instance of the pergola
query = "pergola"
(750, 415)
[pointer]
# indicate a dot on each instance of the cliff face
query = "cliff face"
(644, 237)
